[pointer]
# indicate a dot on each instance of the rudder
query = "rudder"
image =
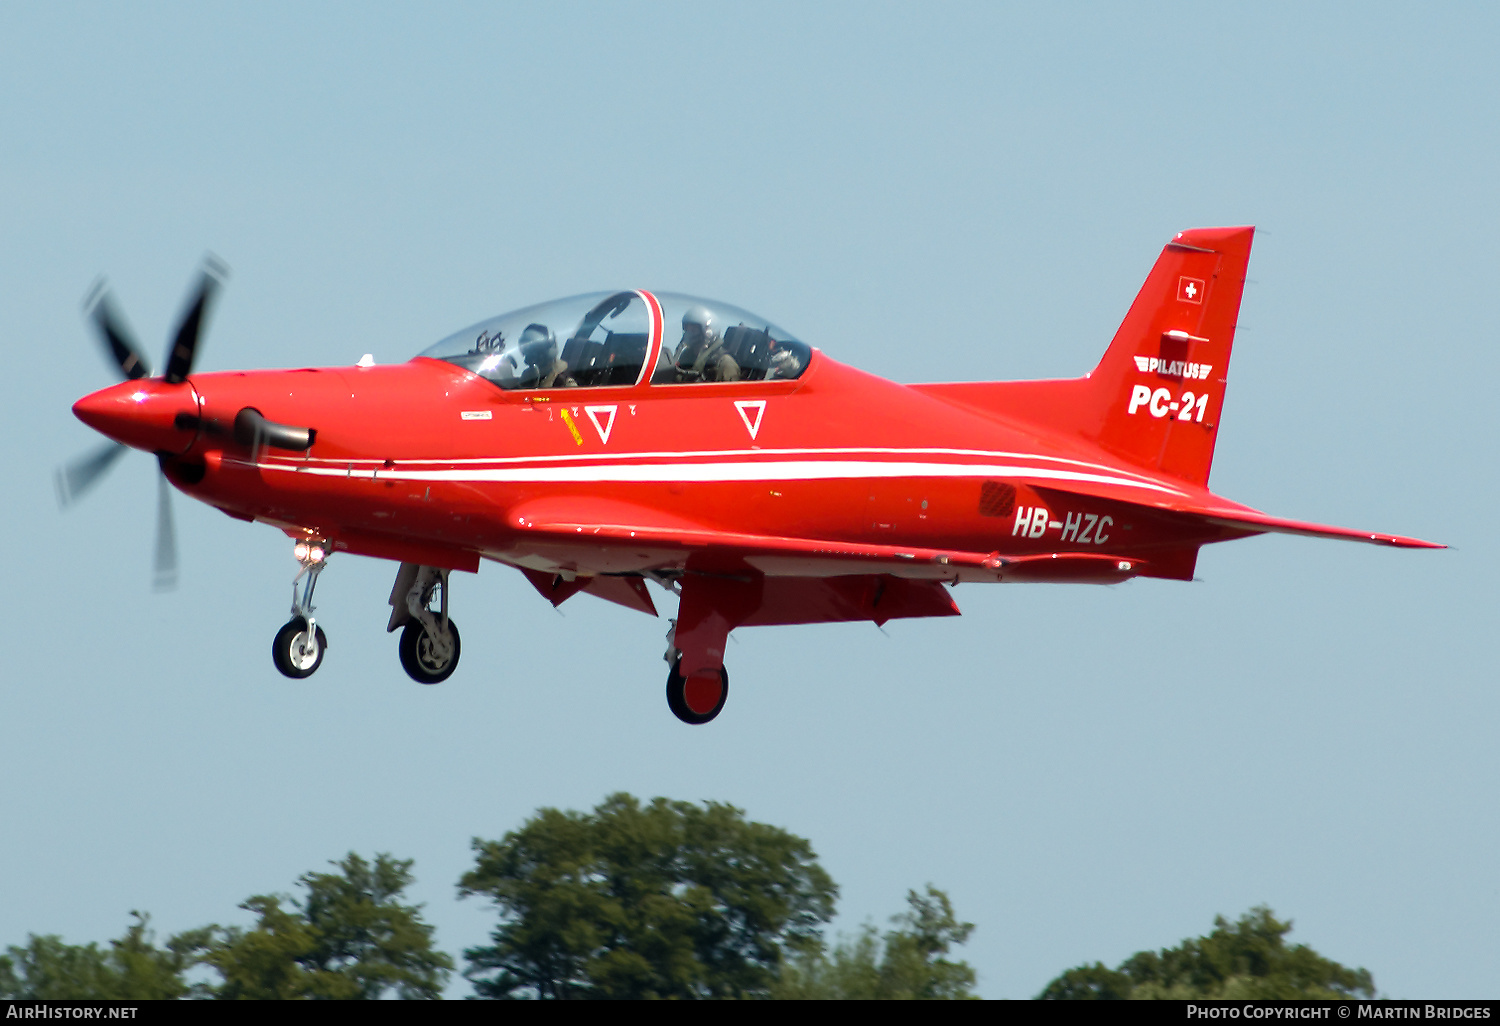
(1157, 395)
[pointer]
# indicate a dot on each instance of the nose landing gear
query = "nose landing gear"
(298, 648)
(300, 644)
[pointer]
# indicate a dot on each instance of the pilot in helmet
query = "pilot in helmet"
(537, 365)
(700, 355)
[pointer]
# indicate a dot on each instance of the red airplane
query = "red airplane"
(591, 446)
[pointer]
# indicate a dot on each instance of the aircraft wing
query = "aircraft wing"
(606, 522)
(662, 540)
(804, 580)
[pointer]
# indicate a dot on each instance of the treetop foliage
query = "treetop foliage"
(349, 937)
(667, 899)
(907, 963)
(658, 899)
(1245, 960)
(133, 967)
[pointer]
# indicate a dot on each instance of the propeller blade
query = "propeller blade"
(81, 474)
(185, 345)
(166, 538)
(117, 338)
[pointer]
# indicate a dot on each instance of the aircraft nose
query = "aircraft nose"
(145, 414)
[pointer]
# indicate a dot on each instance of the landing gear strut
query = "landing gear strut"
(300, 644)
(713, 604)
(696, 699)
(429, 641)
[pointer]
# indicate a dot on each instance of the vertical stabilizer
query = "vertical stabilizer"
(1157, 396)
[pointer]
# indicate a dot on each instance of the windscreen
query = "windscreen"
(602, 339)
(599, 339)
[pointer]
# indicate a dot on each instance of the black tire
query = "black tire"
(677, 700)
(416, 654)
(291, 657)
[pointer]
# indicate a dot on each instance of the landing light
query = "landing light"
(309, 553)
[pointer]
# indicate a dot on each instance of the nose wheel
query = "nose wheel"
(699, 698)
(298, 650)
(300, 644)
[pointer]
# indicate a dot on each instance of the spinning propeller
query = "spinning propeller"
(77, 477)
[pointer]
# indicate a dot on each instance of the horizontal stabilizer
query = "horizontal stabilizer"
(1209, 508)
(1261, 523)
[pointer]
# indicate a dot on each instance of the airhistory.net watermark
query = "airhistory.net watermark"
(28, 1010)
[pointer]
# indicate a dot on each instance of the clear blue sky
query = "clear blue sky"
(925, 191)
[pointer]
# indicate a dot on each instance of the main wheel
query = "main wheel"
(419, 658)
(296, 653)
(699, 698)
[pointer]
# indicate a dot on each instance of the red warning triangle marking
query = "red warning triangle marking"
(608, 413)
(747, 405)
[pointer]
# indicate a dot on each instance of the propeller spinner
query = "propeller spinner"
(155, 414)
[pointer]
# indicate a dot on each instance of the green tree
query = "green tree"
(349, 937)
(1249, 959)
(131, 968)
(669, 899)
(908, 963)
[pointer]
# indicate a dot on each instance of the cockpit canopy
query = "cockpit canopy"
(605, 338)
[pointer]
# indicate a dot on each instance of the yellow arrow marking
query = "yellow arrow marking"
(568, 420)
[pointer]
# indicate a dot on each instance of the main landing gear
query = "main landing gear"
(697, 697)
(429, 640)
(712, 605)
(300, 644)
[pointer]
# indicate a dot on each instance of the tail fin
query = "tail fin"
(1156, 397)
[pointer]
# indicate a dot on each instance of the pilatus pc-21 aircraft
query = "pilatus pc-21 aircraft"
(610, 440)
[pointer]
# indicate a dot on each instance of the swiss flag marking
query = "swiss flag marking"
(602, 426)
(751, 412)
(1190, 290)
